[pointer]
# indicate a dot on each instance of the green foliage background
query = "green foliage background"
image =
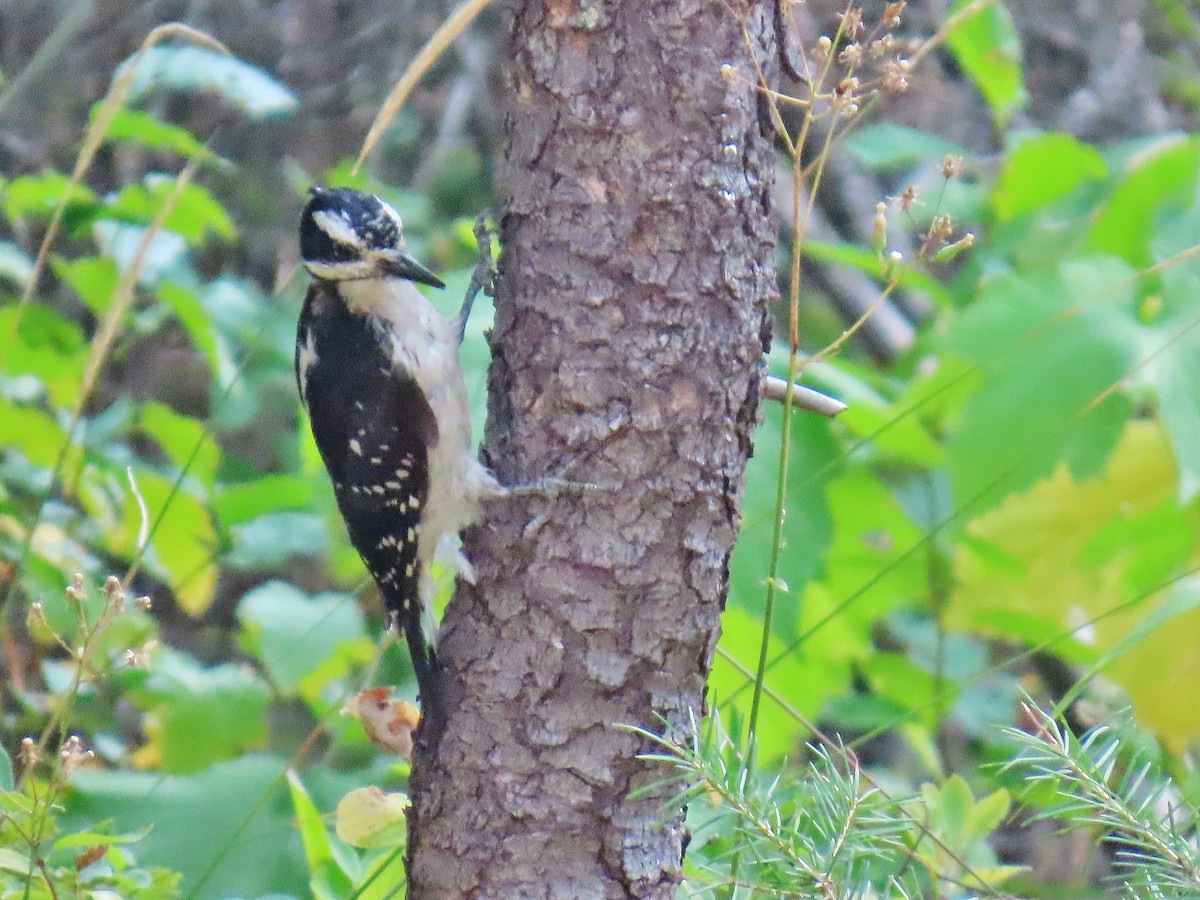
(1017, 493)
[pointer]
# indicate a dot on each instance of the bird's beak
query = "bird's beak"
(402, 265)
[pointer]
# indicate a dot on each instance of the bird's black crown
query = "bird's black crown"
(339, 224)
(347, 234)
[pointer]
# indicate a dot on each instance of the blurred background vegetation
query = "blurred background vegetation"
(1006, 512)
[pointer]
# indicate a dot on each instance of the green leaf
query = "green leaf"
(198, 69)
(237, 504)
(183, 545)
(293, 634)
(136, 127)
(988, 48)
(327, 879)
(49, 347)
(271, 539)
(40, 195)
(1048, 346)
(179, 436)
(886, 147)
(1040, 169)
(1163, 175)
(6, 770)
(1169, 342)
(228, 829)
(34, 433)
(200, 328)
(93, 278)
(92, 837)
(195, 213)
(201, 716)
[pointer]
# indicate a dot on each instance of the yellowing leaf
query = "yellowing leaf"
(368, 817)
(1060, 531)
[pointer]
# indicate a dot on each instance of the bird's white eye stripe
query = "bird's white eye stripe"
(338, 228)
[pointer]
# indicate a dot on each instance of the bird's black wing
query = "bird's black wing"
(374, 429)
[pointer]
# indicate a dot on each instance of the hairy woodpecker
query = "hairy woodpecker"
(378, 371)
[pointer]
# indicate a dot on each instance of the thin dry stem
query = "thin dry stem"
(117, 94)
(455, 25)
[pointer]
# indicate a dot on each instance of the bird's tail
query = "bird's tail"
(424, 659)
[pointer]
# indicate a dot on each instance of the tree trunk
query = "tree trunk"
(630, 325)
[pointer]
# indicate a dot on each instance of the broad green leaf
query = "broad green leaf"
(237, 504)
(802, 680)
(185, 442)
(34, 433)
(895, 678)
(1040, 169)
(134, 126)
(6, 770)
(198, 716)
(886, 147)
(1162, 176)
(40, 195)
(93, 837)
(200, 328)
(1059, 529)
(269, 540)
(293, 634)
(229, 830)
(988, 47)
(195, 213)
(808, 526)
(49, 347)
(1049, 346)
(198, 69)
(183, 541)
(326, 878)
(93, 278)
(1169, 342)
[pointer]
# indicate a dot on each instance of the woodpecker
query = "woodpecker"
(378, 371)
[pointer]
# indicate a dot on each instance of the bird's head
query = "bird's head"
(348, 235)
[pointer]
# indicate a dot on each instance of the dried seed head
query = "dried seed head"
(881, 47)
(29, 754)
(892, 13)
(73, 755)
(852, 22)
(76, 590)
(952, 166)
(824, 46)
(140, 658)
(851, 56)
(36, 620)
(908, 198)
(727, 72)
(895, 75)
(143, 603)
(941, 228)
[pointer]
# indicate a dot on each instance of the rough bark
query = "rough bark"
(630, 326)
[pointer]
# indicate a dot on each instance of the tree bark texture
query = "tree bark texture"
(636, 269)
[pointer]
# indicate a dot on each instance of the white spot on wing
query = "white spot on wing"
(307, 359)
(356, 446)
